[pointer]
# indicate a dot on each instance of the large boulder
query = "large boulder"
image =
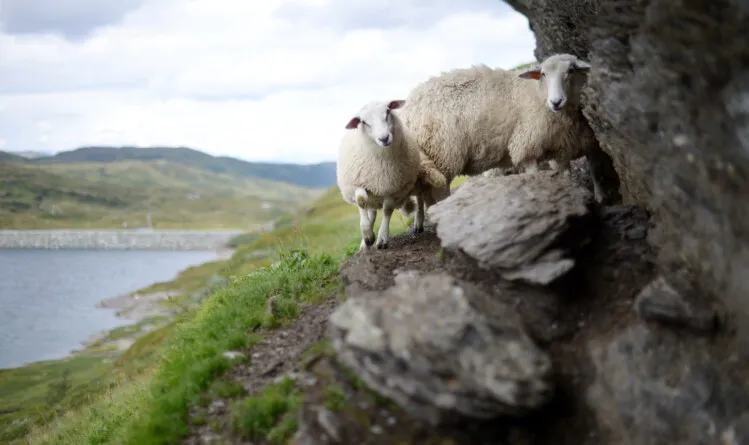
(422, 343)
(528, 229)
(668, 100)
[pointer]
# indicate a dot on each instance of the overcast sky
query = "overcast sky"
(270, 80)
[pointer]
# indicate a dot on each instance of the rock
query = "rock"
(667, 100)
(659, 301)
(661, 387)
(528, 224)
(738, 432)
(422, 344)
(328, 422)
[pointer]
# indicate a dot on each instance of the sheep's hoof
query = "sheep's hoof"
(418, 229)
(369, 241)
(412, 230)
(382, 245)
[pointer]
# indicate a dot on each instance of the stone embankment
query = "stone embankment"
(116, 239)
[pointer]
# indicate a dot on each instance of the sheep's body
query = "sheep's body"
(475, 119)
(377, 175)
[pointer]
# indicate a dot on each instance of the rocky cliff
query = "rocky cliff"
(530, 313)
(533, 315)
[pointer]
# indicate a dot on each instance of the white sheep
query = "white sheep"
(378, 167)
(474, 119)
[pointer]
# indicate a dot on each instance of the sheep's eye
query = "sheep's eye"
(543, 74)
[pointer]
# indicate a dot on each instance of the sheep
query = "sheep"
(471, 120)
(429, 189)
(379, 167)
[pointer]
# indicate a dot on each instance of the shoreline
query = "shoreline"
(141, 313)
(138, 308)
(117, 239)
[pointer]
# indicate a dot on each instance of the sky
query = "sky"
(270, 80)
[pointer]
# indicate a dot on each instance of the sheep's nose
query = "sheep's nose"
(385, 139)
(556, 103)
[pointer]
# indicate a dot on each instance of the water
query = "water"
(48, 297)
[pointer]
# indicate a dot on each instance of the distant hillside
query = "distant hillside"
(37, 196)
(31, 154)
(10, 157)
(174, 176)
(320, 175)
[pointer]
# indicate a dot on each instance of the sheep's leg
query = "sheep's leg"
(361, 197)
(419, 218)
(367, 229)
(372, 214)
(383, 235)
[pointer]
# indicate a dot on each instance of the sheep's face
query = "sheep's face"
(561, 77)
(376, 121)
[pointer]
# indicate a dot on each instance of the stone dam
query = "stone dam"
(116, 239)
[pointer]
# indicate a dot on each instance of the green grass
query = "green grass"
(335, 398)
(106, 195)
(268, 415)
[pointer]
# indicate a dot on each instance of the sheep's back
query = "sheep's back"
(462, 118)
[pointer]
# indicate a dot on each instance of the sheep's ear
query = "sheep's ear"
(396, 104)
(353, 123)
(581, 65)
(534, 74)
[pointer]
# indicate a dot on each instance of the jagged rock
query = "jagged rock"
(659, 301)
(524, 226)
(422, 344)
(664, 388)
(667, 100)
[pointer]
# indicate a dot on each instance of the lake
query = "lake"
(48, 297)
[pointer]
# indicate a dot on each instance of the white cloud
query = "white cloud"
(271, 80)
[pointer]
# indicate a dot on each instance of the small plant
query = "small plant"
(263, 416)
(441, 254)
(227, 389)
(335, 398)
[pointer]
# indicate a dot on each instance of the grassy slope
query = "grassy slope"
(315, 175)
(309, 246)
(53, 196)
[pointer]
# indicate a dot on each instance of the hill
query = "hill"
(320, 175)
(10, 157)
(35, 196)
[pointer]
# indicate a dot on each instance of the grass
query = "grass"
(268, 415)
(106, 195)
(143, 396)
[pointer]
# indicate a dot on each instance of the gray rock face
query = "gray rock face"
(422, 344)
(656, 387)
(659, 301)
(668, 100)
(527, 229)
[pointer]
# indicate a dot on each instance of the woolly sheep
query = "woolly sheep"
(474, 119)
(378, 167)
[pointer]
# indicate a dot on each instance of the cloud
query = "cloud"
(272, 80)
(73, 19)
